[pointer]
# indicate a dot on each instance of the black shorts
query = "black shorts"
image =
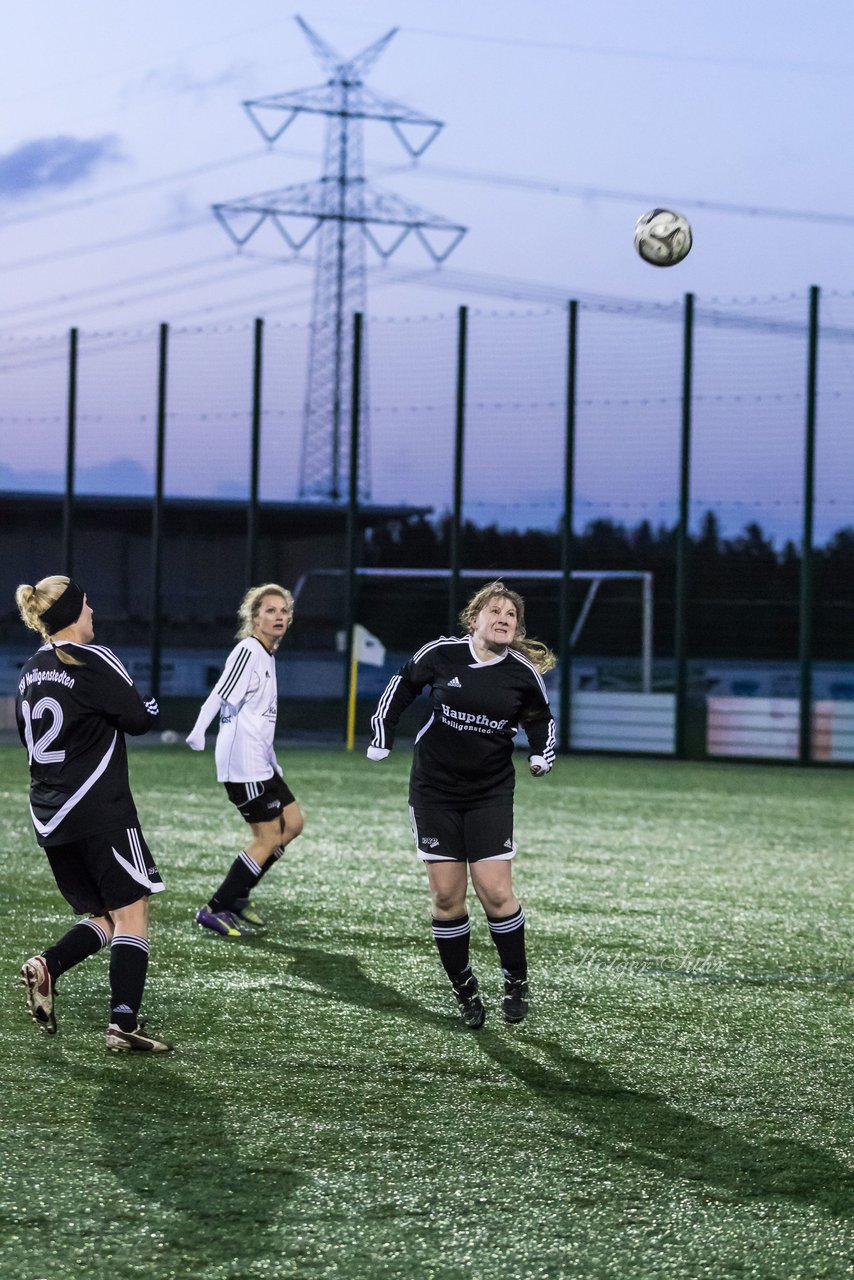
(261, 801)
(104, 872)
(463, 835)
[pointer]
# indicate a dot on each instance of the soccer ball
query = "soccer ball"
(663, 237)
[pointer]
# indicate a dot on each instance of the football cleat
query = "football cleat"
(515, 1004)
(247, 913)
(136, 1041)
(225, 923)
(35, 977)
(472, 1011)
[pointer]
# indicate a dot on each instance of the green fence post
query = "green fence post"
(806, 576)
(564, 654)
(459, 453)
(352, 549)
(70, 449)
(157, 515)
(680, 652)
(255, 457)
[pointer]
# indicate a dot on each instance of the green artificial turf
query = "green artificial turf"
(678, 1104)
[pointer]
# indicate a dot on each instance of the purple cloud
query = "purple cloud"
(51, 164)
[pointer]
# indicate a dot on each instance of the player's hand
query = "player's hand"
(377, 753)
(195, 741)
(539, 766)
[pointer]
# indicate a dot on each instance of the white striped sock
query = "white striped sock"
(509, 925)
(97, 929)
(250, 863)
(130, 940)
(452, 929)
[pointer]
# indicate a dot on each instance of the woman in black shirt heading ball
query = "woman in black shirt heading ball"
(484, 685)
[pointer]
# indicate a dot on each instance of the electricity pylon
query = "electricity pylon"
(345, 214)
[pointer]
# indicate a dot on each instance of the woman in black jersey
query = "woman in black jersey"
(484, 686)
(75, 702)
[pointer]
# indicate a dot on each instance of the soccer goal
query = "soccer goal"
(594, 577)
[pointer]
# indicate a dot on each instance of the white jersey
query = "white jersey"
(246, 697)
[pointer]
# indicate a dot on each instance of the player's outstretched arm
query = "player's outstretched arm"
(230, 690)
(210, 707)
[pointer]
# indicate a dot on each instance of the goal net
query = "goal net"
(595, 579)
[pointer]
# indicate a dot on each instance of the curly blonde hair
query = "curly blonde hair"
(534, 650)
(251, 603)
(32, 602)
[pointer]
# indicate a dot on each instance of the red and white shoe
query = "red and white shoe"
(36, 978)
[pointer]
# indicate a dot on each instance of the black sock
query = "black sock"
(128, 967)
(271, 861)
(243, 875)
(508, 934)
(77, 945)
(452, 939)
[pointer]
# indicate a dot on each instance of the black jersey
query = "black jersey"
(464, 752)
(72, 721)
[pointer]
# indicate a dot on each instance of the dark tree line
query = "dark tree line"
(743, 596)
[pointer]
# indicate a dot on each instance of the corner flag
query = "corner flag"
(370, 651)
(367, 648)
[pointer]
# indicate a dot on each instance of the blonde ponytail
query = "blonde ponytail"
(32, 602)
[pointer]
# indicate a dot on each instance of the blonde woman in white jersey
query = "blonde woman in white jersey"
(246, 700)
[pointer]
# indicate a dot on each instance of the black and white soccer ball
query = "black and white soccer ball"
(663, 237)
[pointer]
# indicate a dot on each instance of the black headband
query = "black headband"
(64, 611)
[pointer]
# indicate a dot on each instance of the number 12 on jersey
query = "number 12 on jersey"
(38, 751)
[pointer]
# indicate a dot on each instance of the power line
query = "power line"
(132, 189)
(471, 284)
(129, 339)
(710, 313)
(96, 246)
(149, 294)
(248, 306)
(543, 186)
(650, 55)
(60, 299)
(547, 186)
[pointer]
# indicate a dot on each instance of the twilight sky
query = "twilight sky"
(123, 124)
